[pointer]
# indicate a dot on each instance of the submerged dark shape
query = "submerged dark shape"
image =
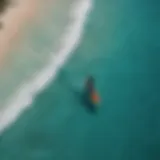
(90, 97)
(83, 96)
(90, 83)
(87, 103)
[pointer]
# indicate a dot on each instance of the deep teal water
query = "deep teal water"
(121, 49)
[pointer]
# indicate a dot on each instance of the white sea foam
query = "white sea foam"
(26, 94)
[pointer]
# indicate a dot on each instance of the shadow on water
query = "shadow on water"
(83, 99)
(80, 96)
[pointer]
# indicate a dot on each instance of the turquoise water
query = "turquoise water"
(120, 48)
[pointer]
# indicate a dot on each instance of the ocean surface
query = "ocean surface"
(117, 42)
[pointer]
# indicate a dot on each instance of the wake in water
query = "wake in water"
(69, 41)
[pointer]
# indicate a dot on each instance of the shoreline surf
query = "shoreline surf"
(70, 40)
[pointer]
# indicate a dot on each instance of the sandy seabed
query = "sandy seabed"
(16, 17)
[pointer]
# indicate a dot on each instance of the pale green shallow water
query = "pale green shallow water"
(120, 48)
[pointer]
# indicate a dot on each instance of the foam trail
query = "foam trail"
(29, 90)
